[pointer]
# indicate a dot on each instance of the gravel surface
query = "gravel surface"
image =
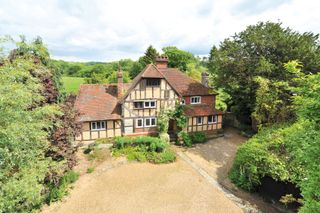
(184, 186)
(144, 187)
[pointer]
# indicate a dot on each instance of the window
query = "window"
(199, 120)
(166, 93)
(149, 122)
(150, 104)
(152, 82)
(183, 102)
(212, 119)
(195, 99)
(138, 104)
(98, 125)
(139, 123)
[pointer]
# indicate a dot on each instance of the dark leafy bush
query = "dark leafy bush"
(152, 143)
(198, 137)
(254, 161)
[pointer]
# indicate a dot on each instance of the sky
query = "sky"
(107, 30)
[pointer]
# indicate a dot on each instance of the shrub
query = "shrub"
(184, 139)
(90, 170)
(163, 157)
(57, 192)
(198, 137)
(164, 137)
(259, 157)
(152, 143)
(90, 148)
(143, 149)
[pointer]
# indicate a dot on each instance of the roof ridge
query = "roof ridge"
(155, 66)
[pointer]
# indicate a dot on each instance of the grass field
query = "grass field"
(72, 84)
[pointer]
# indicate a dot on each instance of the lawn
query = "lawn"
(72, 84)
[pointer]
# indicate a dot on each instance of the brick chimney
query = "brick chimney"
(205, 79)
(120, 82)
(162, 62)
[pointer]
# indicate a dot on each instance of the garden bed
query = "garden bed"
(143, 148)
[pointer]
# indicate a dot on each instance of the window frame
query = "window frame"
(155, 80)
(142, 122)
(96, 125)
(149, 103)
(142, 107)
(150, 119)
(214, 119)
(195, 97)
(198, 120)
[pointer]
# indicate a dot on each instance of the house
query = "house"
(109, 110)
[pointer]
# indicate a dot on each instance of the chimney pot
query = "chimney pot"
(120, 82)
(162, 62)
(205, 79)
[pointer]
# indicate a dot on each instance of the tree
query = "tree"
(149, 56)
(36, 129)
(289, 151)
(23, 136)
(260, 51)
(178, 58)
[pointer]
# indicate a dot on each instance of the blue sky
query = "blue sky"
(106, 30)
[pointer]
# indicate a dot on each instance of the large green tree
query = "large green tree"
(149, 56)
(36, 127)
(24, 126)
(178, 58)
(287, 152)
(240, 63)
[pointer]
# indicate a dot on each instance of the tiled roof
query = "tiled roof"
(183, 84)
(201, 110)
(152, 72)
(98, 102)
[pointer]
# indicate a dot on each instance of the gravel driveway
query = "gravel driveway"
(120, 186)
(144, 187)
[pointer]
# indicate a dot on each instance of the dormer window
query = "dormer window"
(183, 102)
(196, 100)
(153, 82)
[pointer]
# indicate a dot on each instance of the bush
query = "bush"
(153, 144)
(162, 157)
(90, 170)
(164, 137)
(184, 139)
(57, 192)
(198, 137)
(258, 157)
(90, 148)
(143, 149)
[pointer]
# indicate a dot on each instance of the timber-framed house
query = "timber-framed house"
(131, 109)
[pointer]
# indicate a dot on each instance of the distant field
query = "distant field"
(72, 84)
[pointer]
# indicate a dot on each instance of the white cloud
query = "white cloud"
(104, 30)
